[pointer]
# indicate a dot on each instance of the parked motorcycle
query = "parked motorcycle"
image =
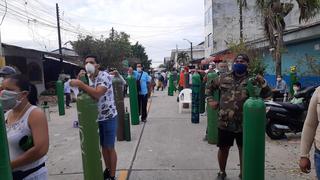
(285, 117)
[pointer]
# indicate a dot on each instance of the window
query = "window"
(209, 40)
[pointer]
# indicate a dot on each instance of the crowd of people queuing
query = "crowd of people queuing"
(24, 119)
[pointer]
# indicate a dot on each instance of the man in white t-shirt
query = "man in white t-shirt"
(102, 91)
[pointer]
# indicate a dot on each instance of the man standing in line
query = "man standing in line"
(102, 91)
(67, 92)
(143, 79)
(233, 94)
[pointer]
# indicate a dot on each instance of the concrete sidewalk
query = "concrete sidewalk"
(167, 147)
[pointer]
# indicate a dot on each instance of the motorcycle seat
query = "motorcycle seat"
(293, 107)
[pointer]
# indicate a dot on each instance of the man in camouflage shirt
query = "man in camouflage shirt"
(233, 94)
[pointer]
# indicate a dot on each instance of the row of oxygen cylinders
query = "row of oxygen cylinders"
(88, 127)
(253, 122)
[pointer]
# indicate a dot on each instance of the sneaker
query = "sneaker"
(222, 175)
(106, 174)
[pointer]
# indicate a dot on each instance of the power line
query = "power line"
(5, 13)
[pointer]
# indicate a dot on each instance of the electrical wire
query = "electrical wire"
(5, 13)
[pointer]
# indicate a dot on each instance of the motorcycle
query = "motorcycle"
(285, 117)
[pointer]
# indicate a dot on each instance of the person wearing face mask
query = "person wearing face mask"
(24, 120)
(296, 89)
(143, 79)
(281, 88)
(233, 94)
(222, 67)
(100, 88)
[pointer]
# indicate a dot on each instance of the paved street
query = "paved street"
(167, 147)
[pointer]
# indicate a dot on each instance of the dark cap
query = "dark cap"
(7, 70)
(242, 56)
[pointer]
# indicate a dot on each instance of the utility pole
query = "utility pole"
(212, 27)
(112, 34)
(241, 20)
(191, 53)
(176, 57)
(59, 38)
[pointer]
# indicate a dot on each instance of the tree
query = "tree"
(183, 58)
(256, 65)
(273, 13)
(110, 51)
(138, 51)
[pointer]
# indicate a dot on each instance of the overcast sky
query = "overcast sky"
(157, 25)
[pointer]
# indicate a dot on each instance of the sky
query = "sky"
(158, 25)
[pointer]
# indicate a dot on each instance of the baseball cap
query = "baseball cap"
(7, 70)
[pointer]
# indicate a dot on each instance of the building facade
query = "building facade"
(222, 25)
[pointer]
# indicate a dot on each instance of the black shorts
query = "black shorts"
(226, 138)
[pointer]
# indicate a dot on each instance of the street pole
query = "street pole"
(191, 51)
(212, 26)
(59, 38)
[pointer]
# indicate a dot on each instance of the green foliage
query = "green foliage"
(183, 58)
(162, 66)
(138, 51)
(111, 51)
(311, 64)
(256, 65)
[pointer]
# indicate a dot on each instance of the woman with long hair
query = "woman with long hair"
(27, 129)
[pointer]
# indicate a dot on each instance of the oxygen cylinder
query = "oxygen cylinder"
(196, 83)
(171, 85)
(133, 94)
(127, 132)
(293, 78)
(60, 94)
(186, 79)
(202, 105)
(89, 137)
(254, 118)
(119, 100)
(5, 166)
(212, 114)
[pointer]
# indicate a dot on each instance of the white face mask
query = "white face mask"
(295, 88)
(278, 79)
(90, 68)
(139, 69)
(9, 99)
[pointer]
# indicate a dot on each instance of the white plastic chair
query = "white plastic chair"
(185, 98)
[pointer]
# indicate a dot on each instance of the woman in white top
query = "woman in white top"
(25, 120)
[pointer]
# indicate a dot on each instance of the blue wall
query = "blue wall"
(295, 53)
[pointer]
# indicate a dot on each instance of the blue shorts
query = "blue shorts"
(107, 132)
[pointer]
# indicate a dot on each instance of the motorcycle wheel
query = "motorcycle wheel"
(273, 133)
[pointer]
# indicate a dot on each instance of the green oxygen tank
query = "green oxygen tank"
(254, 119)
(60, 94)
(212, 114)
(293, 78)
(127, 132)
(119, 100)
(5, 166)
(202, 106)
(196, 83)
(89, 137)
(186, 80)
(133, 94)
(171, 85)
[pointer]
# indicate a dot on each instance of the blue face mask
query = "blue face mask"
(239, 68)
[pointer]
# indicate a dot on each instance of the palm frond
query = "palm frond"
(308, 9)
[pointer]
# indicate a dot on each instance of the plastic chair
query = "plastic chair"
(185, 98)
